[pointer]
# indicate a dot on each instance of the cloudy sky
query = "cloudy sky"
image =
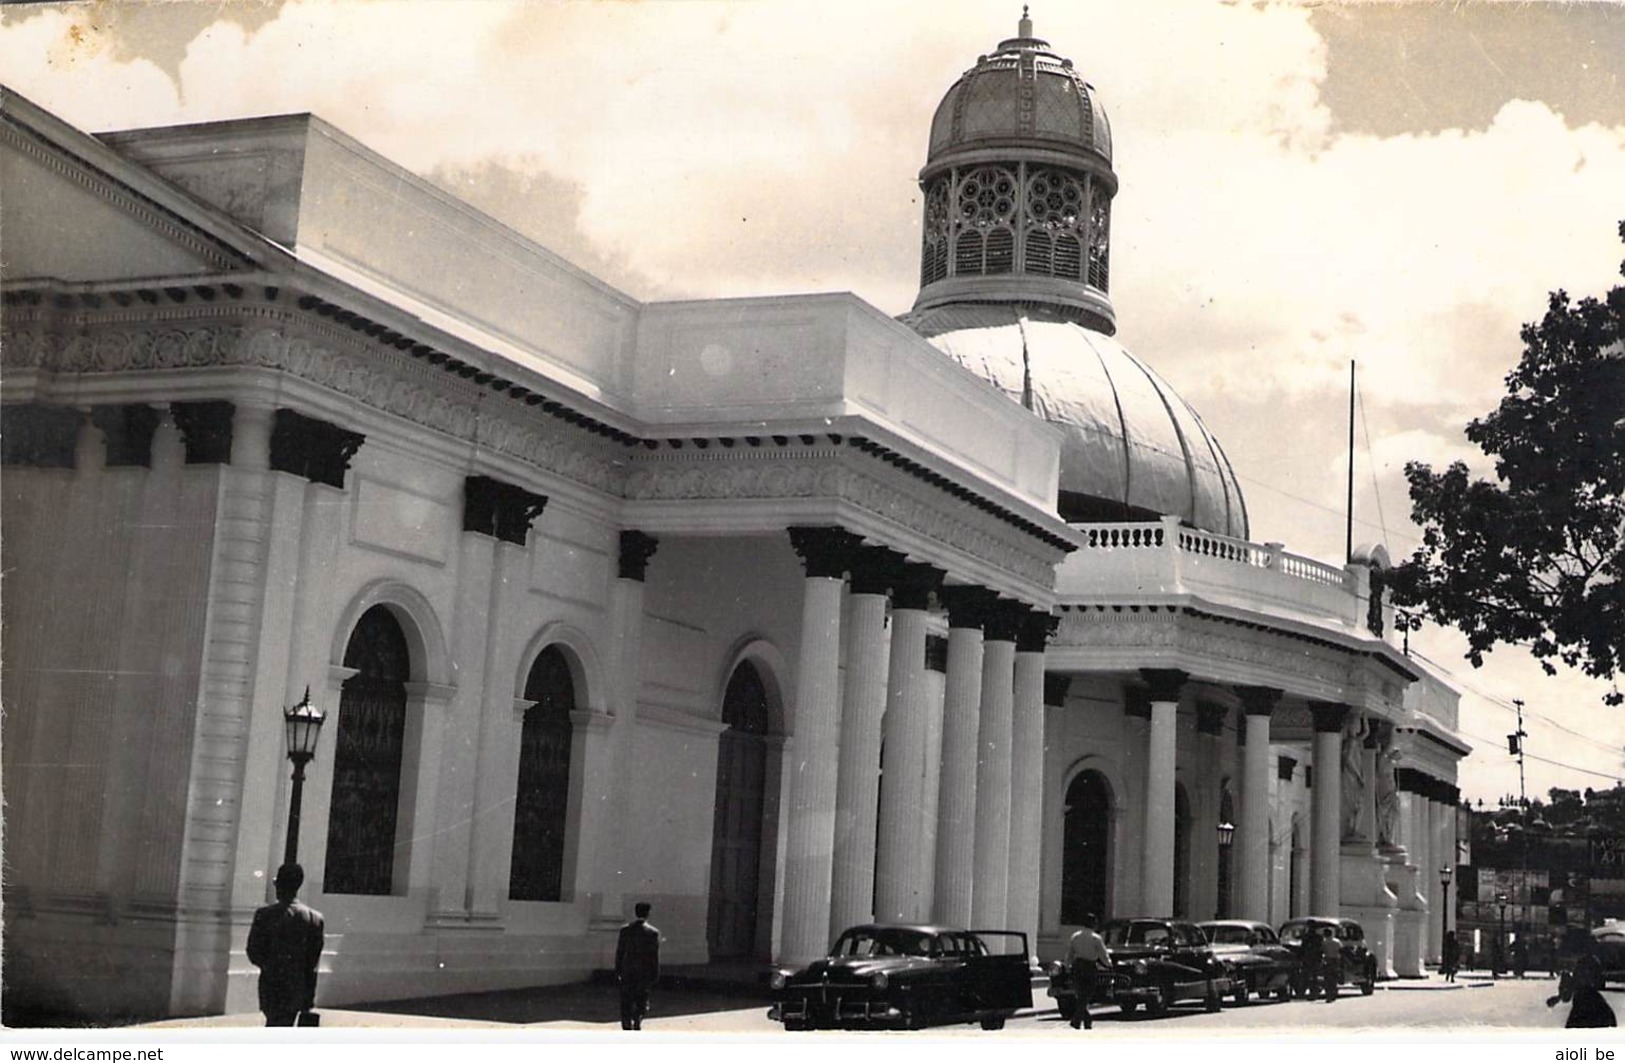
(1397, 184)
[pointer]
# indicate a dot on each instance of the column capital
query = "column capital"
(913, 583)
(1258, 701)
(1284, 767)
(1137, 702)
(1412, 780)
(825, 551)
(1055, 688)
(312, 448)
(1329, 715)
(967, 604)
(636, 550)
(1165, 683)
(874, 568)
(1037, 627)
(1210, 717)
(1004, 619)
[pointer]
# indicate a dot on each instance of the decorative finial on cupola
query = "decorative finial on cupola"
(1024, 28)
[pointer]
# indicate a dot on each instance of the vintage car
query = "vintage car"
(1155, 962)
(1358, 968)
(1608, 943)
(1257, 962)
(893, 976)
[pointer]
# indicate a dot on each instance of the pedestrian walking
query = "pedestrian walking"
(1583, 986)
(1087, 960)
(1449, 956)
(285, 943)
(1520, 956)
(1331, 963)
(637, 966)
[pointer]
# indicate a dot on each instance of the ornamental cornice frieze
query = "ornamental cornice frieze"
(831, 472)
(1162, 629)
(281, 340)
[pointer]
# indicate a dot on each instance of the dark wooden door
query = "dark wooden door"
(1085, 840)
(736, 830)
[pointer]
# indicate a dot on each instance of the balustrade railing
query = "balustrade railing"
(1168, 535)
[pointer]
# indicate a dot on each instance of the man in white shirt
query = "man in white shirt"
(1087, 958)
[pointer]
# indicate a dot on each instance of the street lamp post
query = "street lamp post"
(304, 725)
(1227, 835)
(1501, 935)
(1445, 871)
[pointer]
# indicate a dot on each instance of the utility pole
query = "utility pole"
(1515, 745)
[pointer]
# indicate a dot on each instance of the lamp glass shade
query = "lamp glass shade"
(1227, 833)
(1445, 874)
(304, 724)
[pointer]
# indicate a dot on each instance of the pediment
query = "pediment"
(73, 212)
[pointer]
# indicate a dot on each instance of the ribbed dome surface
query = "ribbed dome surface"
(1131, 448)
(1024, 93)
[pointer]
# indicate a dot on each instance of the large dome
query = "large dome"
(1132, 449)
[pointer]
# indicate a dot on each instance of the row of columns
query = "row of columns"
(870, 764)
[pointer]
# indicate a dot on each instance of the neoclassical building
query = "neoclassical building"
(778, 613)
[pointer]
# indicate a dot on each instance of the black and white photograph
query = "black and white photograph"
(790, 523)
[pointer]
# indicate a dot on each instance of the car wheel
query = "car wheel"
(1158, 1004)
(1367, 988)
(1241, 991)
(993, 1022)
(1284, 993)
(1127, 1007)
(1212, 1000)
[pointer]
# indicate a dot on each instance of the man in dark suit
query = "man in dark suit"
(285, 943)
(637, 966)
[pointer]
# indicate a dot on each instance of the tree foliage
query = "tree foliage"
(1534, 557)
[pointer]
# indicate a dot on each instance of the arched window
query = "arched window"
(736, 825)
(542, 796)
(1085, 853)
(367, 758)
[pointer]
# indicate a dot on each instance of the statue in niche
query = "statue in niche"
(1355, 730)
(1387, 789)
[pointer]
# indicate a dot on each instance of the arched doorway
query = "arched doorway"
(365, 802)
(542, 793)
(736, 827)
(1085, 848)
(1182, 853)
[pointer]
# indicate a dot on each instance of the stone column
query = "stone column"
(1157, 854)
(900, 858)
(810, 842)
(990, 902)
(1252, 845)
(625, 679)
(956, 803)
(1206, 812)
(1027, 775)
(857, 794)
(1326, 809)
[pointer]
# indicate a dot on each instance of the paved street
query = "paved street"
(1420, 1006)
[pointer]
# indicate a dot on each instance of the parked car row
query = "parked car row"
(1161, 962)
(908, 976)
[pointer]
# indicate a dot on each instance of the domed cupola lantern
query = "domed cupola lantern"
(1014, 271)
(1018, 186)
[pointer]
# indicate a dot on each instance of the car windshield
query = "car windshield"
(883, 941)
(1130, 933)
(1296, 931)
(1230, 935)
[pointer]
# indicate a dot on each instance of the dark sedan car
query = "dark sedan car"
(1155, 962)
(908, 976)
(1258, 963)
(1358, 966)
